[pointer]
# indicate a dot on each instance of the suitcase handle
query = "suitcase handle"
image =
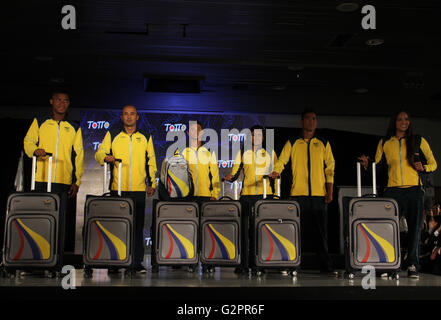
(374, 180)
(278, 179)
(235, 188)
(49, 172)
(105, 176)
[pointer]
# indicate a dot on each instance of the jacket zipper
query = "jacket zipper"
(309, 167)
(130, 179)
(56, 152)
(401, 163)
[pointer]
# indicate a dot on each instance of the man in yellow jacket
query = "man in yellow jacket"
(62, 137)
(203, 166)
(135, 149)
(312, 165)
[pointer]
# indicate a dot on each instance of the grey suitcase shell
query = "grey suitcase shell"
(374, 234)
(33, 236)
(276, 233)
(220, 233)
(108, 236)
(108, 232)
(34, 228)
(176, 233)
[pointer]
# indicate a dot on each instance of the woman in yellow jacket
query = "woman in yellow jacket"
(255, 164)
(402, 152)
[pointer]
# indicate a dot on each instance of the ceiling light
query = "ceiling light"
(374, 42)
(348, 7)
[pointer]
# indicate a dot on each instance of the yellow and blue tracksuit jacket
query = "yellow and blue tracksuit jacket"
(393, 152)
(255, 165)
(138, 159)
(312, 164)
(204, 170)
(64, 140)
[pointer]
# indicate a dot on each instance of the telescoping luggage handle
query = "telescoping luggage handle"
(119, 176)
(278, 179)
(235, 188)
(49, 174)
(374, 179)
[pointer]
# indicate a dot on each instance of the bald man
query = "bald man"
(135, 148)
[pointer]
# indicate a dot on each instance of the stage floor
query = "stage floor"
(180, 285)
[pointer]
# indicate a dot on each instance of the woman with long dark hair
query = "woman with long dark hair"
(404, 152)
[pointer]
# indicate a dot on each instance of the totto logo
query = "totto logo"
(225, 163)
(237, 137)
(175, 127)
(98, 125)
(96, 145)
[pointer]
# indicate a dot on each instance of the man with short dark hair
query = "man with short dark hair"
(135, 148)
(312, 165)
(62, 137)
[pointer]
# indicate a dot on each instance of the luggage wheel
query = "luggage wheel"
(88, 272)
(128, 273)
(294, 273)
(349, 275)
(191, 269)
(394, 275)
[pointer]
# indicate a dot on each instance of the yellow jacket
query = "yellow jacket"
(312, 165)
(202, 164)
(136, 152)
(255, 165)
(400, 172)
(64, 140)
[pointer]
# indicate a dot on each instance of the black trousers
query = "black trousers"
(70, 214)
(247, 203)
(139, 199)
(313, 226)
(411, 204)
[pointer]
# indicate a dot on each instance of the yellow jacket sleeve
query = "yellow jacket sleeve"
(431, 162)
(79, 156)
(214, 170)
(30, 141)
(237, 163)
(284, 157)
(104, 148)
(379, 153)
(151, 162)
(330, 164)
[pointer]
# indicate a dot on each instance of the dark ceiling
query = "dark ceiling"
(254, 56)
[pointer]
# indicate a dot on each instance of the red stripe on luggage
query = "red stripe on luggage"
(270, 255)
(368, 244)
(171, 243)
(100, 247)
(20, 251)
(169, 187)
(212, 243)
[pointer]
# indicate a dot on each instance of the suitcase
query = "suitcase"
(34, 229)
(275, 238)
(372, 232)
(221, 232)
(175, 234)
(108, 236)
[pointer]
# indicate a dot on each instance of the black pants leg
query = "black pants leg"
(411, 203)
(139, 245)
(313, 224)
(69, 215)
(247, 229)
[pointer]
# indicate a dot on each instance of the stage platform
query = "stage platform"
(180, 285)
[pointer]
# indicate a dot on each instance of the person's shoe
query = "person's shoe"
(140, 270)
(412, 272)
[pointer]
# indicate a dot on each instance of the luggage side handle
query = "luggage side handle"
(105, 176)
(235, 188)
(374, 181)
